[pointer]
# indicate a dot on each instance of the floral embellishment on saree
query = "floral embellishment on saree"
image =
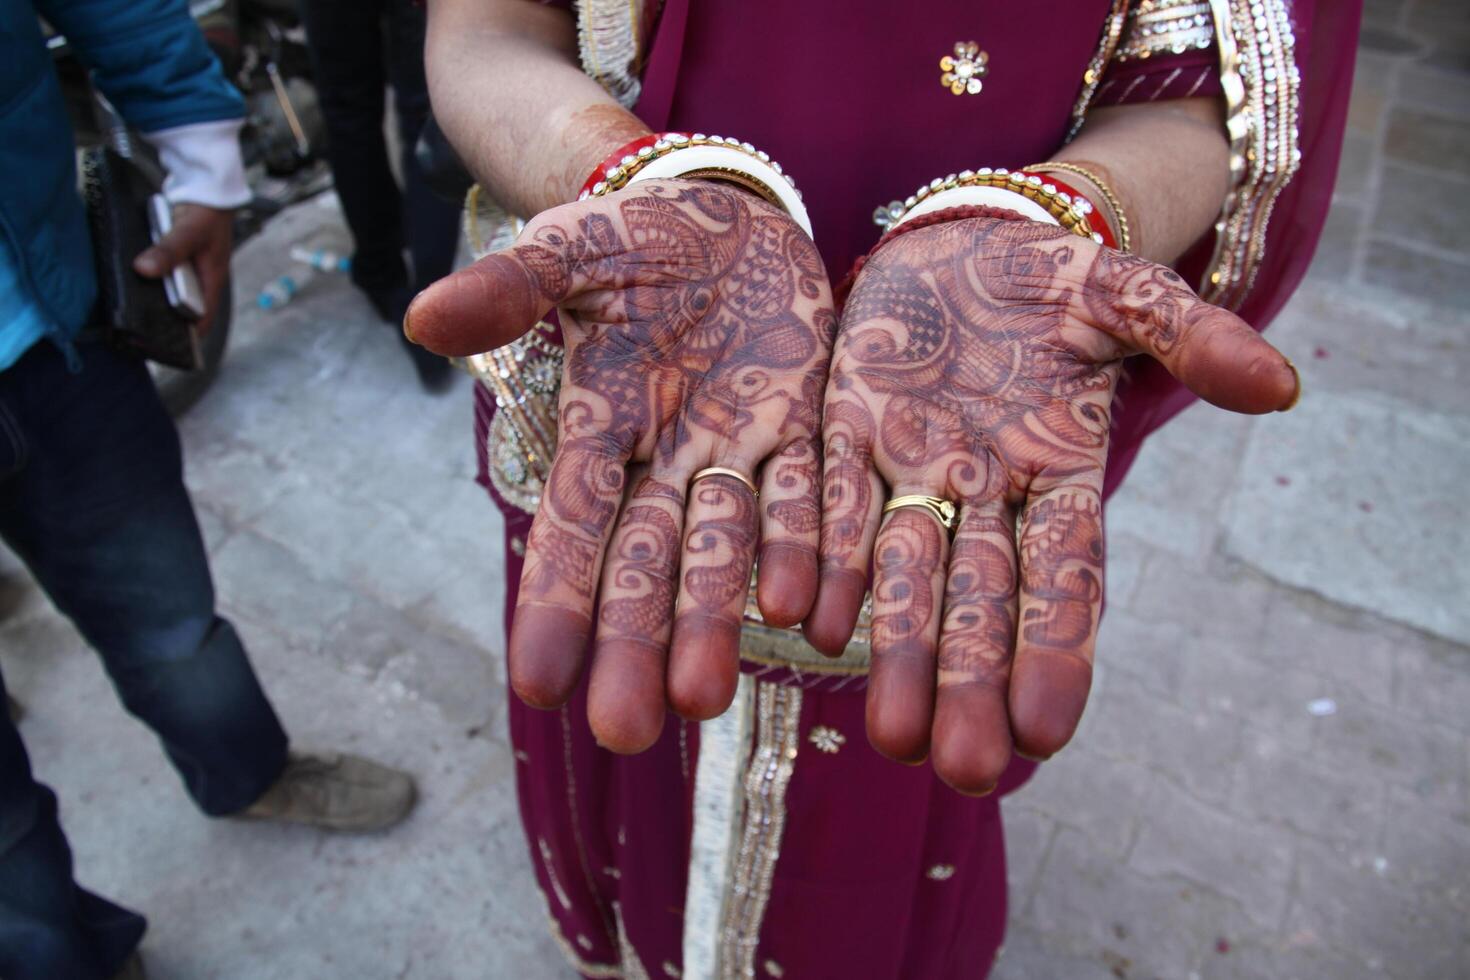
(827, 740)
(963, 71)
(940, 872)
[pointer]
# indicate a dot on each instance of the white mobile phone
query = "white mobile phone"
(181, 286)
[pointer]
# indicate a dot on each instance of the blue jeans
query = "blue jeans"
(92, 499)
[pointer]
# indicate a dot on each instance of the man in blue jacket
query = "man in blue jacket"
(91, 489)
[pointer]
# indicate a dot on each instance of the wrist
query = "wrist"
(203, 164)
(960, 212)
(1095, 182)
(697, 156)
(588, 137)
(1047, 200)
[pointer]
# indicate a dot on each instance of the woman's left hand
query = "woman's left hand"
(977, 361)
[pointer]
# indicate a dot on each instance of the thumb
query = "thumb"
(1212, 351)
(500, 297)
(156, 261)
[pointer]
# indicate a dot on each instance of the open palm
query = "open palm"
(698, 325)
(977, 361)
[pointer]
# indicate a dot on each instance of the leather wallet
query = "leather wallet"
(134, 312)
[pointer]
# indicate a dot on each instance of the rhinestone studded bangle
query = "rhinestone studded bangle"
(1053, 199)
(1120, 217)
(669, 155)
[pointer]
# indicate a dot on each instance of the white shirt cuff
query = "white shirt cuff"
(203, 163)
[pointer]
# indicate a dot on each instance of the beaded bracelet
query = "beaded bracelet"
(669, 155)
(1120, 217)
(1050, 200)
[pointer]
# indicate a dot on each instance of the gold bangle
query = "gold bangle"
(1125, 240)
(943, 511)
(1072, 215)
(710, 471)
(739, 179)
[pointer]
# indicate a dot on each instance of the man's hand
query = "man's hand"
(698, 324)
(201, 235)
(977, 361)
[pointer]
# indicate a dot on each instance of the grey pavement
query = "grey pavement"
(1271, 781)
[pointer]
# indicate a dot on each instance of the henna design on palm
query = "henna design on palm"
(977, 361)
(698, 325)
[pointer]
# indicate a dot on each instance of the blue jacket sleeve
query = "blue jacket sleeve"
(149, 58)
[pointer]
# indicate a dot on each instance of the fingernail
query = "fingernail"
(408, 318)
(1296, 395)
(1041, 758)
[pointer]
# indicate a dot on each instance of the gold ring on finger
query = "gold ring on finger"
(710, 471)
(946, 512)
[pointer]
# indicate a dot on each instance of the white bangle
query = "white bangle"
(670, 155)
(1033, 196)
(996, 197)
(711, 157)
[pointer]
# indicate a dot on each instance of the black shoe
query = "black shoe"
(435, 372)
(391, 302)
(132, 969)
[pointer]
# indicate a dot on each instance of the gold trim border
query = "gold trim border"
(1107, 45)
(1261, 82)
(778, 721)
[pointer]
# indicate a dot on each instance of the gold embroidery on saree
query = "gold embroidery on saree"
(602, 971)
(549, 864)
(778, 713)
(627, 953)
(610, 47)
(1107, 44)
(719, 809)
(826, 739)
(1260, 79)
(1161, 27)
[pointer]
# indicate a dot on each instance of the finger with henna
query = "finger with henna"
(564, 554)
(791, 519)
(972, 735)
(719, 549)
(908, 586)
(1062, 559)
(626, 702)
(852, 496)
(494, 301)
(1213, 351)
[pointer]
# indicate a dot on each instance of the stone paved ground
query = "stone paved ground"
(1205, 823)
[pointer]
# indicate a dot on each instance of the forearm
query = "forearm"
(508, 93)
(1167, 162)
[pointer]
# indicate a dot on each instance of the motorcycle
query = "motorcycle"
(261, 44)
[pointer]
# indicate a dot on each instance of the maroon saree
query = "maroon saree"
(774, 841)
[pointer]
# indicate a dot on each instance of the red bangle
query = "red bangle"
(1100, 226)
(697, 155)
(622, 157)
(1058, 199)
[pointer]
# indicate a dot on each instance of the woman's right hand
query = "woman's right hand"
(698, 323)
